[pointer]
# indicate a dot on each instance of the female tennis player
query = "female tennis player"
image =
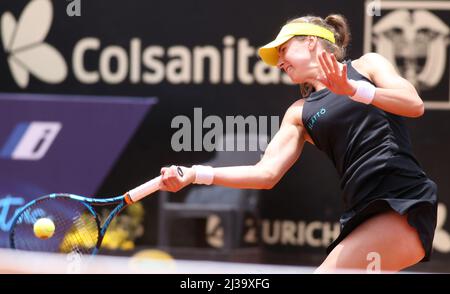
(354, 112)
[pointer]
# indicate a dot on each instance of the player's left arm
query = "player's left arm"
(393, 94)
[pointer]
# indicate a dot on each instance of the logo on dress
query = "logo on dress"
(312, 121)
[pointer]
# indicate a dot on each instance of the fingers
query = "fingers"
(327, 69)
(323, 65)
(328, 63)
(326, 78)
(168, 179)
(172, 178)
(334, 63)
(335, 74)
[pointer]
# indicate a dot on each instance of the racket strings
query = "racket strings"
(76, 227)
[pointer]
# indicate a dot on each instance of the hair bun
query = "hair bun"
(340, 25)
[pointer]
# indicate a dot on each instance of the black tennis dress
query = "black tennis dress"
(372, 153)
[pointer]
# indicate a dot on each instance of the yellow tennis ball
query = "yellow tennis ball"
(44, 228)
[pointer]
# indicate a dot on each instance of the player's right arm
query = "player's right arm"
(281, 153)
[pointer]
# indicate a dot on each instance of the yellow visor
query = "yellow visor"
(269, 52)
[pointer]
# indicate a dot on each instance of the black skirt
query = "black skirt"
(416, 197)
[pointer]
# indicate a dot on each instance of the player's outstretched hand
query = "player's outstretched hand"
(334, 77)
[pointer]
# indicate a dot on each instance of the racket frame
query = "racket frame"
(122, 202)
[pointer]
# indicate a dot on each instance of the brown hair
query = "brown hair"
(337, 24)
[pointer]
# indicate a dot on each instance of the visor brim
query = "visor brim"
(269, 52)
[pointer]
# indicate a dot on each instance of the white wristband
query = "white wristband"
(365, 92)
(204, 174)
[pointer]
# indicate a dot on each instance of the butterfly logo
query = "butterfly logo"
(23, 41)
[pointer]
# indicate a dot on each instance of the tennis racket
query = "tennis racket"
(78, 227)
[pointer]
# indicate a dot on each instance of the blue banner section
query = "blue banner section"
(60, 143)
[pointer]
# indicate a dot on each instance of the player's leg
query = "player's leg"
(387, 234)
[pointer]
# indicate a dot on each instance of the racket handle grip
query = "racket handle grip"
(144, 190)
